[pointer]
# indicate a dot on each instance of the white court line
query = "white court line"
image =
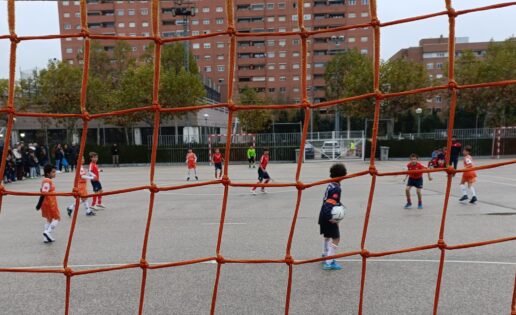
(499, 183)
(374, 260)
(217, 223)
(270, 191)
(499, 177)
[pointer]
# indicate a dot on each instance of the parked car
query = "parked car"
(309, 151)
(330, 149)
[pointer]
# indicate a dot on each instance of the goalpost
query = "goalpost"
(504, 141)
(238, 141)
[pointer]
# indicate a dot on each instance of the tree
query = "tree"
(255, 120)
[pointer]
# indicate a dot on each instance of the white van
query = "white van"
(330, 149)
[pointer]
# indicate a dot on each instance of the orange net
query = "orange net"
(452, 87)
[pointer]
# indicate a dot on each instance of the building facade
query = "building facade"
(270, 65)
(433, 54)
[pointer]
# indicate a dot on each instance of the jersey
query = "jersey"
(217, 158)
(331, 198)
(455, 149)
(468, 161)
(251, 153)
(264, 161)
(469, 176)
(413, 167)
(94, 169)
(191, 160)
(49, 207)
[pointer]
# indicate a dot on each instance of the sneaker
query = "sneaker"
(327, 266)
(95, 207)
(420, 206)
(196, 178)
(473, 199)
(465, 197)
(253, 191)
(45, 240)
(188, 178)
(408, 205)
(69, 210)
(263, 191)
(335, 265)
(48, 236)
(91, 213)
(101, 206)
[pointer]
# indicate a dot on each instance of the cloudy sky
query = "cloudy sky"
(40, 17)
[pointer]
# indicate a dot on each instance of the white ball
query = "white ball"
(338, 212)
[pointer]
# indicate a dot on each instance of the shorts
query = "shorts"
(251, 159)
(329, 230)
(262, 175)
(96, 186)
(413, 182)
(218, 166)
(469, 177)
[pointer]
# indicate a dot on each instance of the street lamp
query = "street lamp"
(206, 122)
(419, 111)
(337, 40)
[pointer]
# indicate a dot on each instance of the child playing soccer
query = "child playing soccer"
(191, 162)
(95, 182)
(469, 177)
(83, 190)
(251, 156)
(263, 175)
(415, 180)
(48, 204)
(217, 160)
(328, 227)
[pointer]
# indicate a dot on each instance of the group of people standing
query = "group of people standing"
(25, 162)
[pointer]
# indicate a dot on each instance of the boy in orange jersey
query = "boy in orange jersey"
(191, 162)
(96, 204)
(217, 160)
(415, 180)
(48, 204)
(468, 177)
(83, 190)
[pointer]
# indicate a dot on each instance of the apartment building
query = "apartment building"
(271, 65)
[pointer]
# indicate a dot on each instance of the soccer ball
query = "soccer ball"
(338, 212)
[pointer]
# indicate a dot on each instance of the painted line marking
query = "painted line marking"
(370, 260)
(218, 223)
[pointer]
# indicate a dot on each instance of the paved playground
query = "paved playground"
(185, 225)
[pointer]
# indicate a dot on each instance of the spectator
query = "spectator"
(32, 162)
(18, 161)
(10, 168)
(43, 156)
(67, 153)
(115, 154)
(59, 155)
(74, 153)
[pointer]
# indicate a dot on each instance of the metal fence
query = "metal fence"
(471, 133)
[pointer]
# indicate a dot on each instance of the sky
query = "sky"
(41, 18)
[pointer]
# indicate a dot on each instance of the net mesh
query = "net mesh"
(451, 87)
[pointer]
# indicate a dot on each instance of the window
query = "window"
(429, 66)
(352, 2)
(363, 39)
(365, 2)
(295, 78)
(282, 42)
(207, 69)
(257, 6)
(144, 11)
(220, 68)
(206, 21)
(282, 29)
(364, 51)
(146, 34)
(219, 21)
(145, 24)
(283, 66)
(220, 57)
(132, 34)
(68, 26)
(295, 90)
(270, 6)
(295, 54)
(132, 24)
(131, 12)
(271, 54)
(121, 25)
(77, 27)
(195, 33)
(307, 17)
(283, 89)
(196, 46)
(69, 50)
(206, 10)
(219, 9)
(120, 12)
(295, 66)
(270, 42)
(439, 65)
(351, 39)
(271, 66)
(70, 61)
(66, 3)
(270, 19)
(134, 48)
(68, 39)
(272, 79)
(439, 76)
(207, 45)
(364, 14)
(438, 99)
(352, 15)
(282, 54)
(281, 5)
(220, 45)
(66, 15)
(283, 78)
(282, 18)
(294, 17)
(195, 22)
(271, 90)
(207, 57)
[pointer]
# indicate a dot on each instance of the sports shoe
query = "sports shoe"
(69, 210)
(408, 205)
(335, 265)
(253, 191)
(263, 191)
(48, 236)
(94, 207)
(465, 197)
(188, 178)
(327, 266)
(91, 213)
(196, 178)
(100, 206)
(473, 199)
(420, 206)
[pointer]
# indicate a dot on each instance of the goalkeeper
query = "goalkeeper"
(251, 156)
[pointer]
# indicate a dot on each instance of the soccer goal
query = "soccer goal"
(239, 144)
(335, 146)
(504, 141)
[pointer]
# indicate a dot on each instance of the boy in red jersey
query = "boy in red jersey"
(95, 182)
(469, 177)
(191, 162)
(415, 180)
(217, 160)
(263, 175)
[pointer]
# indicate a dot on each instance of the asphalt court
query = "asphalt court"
(185, 224)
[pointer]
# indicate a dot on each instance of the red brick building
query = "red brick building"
(271, 65)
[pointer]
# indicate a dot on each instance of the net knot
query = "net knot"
(375, 22)
(144, 264)
(441, 244)
(86, 116)
(306, 104)
(75, 192)
(9, 110)
(365, 253)
(68, 272)
(231, 31)
(304, 33)
(85, 33)
(452, 84)
(300, 185)
(378, 94)
(220, 259)
(158, 40)
(156, 107)
(225, 180)
(154, 189)
(2, 190)
(231, 106)
(289, 260)
(452, 13)
(14, 38)
(451, 170)
(373, 170)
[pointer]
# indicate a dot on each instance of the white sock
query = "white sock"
(473, 191)
(47, 226)
(464, 190)
(72, 206)
(326, 245)
(53, 224)
(332, 248)
(86, 206)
